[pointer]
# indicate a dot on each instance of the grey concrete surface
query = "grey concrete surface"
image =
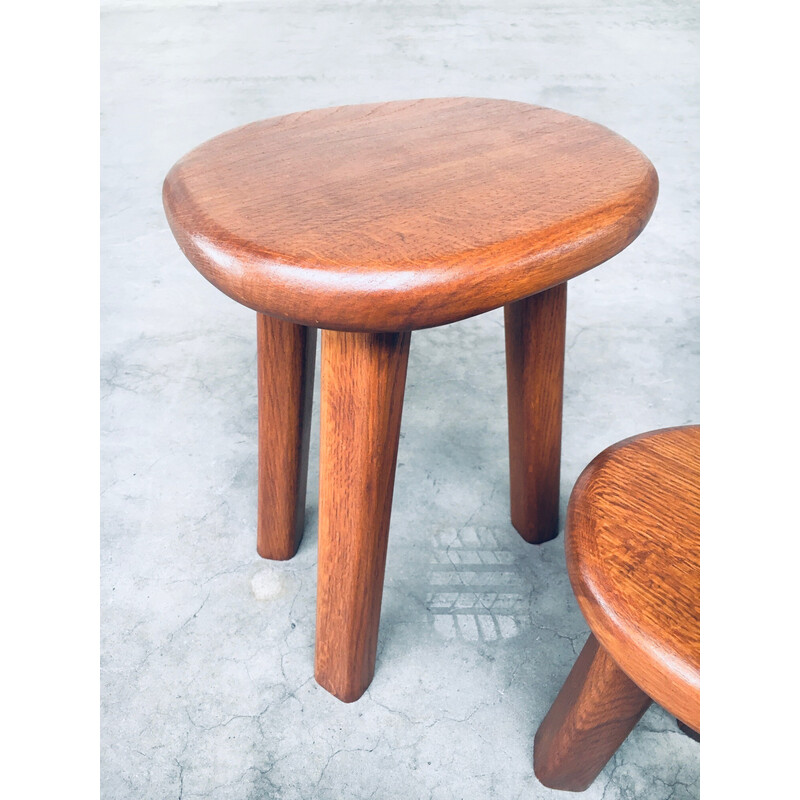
(207, 651)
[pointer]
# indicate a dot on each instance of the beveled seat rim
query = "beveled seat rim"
(388, 293)
(671, 678)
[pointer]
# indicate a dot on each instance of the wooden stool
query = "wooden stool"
(633, 554)
(372, 221)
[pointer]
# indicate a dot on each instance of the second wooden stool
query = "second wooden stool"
(633, 555)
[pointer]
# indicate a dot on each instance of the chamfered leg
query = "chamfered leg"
(597, 707)
(286, 354)
(535, 332)
(363, 380)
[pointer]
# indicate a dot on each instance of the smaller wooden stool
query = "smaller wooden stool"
(633, 555)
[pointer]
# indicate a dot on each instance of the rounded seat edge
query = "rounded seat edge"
(464, 285)
(669, 679)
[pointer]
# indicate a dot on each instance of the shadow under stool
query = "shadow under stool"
(633, 555)
(371, 221)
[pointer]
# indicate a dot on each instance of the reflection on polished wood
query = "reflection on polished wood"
(633, 555)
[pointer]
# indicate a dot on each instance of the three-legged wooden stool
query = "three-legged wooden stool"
(372, 221)
(633, 554)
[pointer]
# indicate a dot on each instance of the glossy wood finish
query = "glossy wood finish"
(633, 556)
(363, 380)
(597, 707)
(404, 215)
(535, 334)
(286, 354)
(371, 221)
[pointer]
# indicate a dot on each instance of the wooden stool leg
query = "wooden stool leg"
(597, 707)
(286, 354)
(535, 333)
(363, 380)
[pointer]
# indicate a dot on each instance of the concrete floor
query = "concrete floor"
(207, 651)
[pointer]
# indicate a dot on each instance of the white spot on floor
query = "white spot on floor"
(267, 584)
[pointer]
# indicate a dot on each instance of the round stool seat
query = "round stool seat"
(404, 215)
(633, 555)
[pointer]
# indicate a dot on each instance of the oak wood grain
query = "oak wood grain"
(633, 556)
(363, 381)
(286, 355)
(597, 707)
(409, 214)
(535, 331)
